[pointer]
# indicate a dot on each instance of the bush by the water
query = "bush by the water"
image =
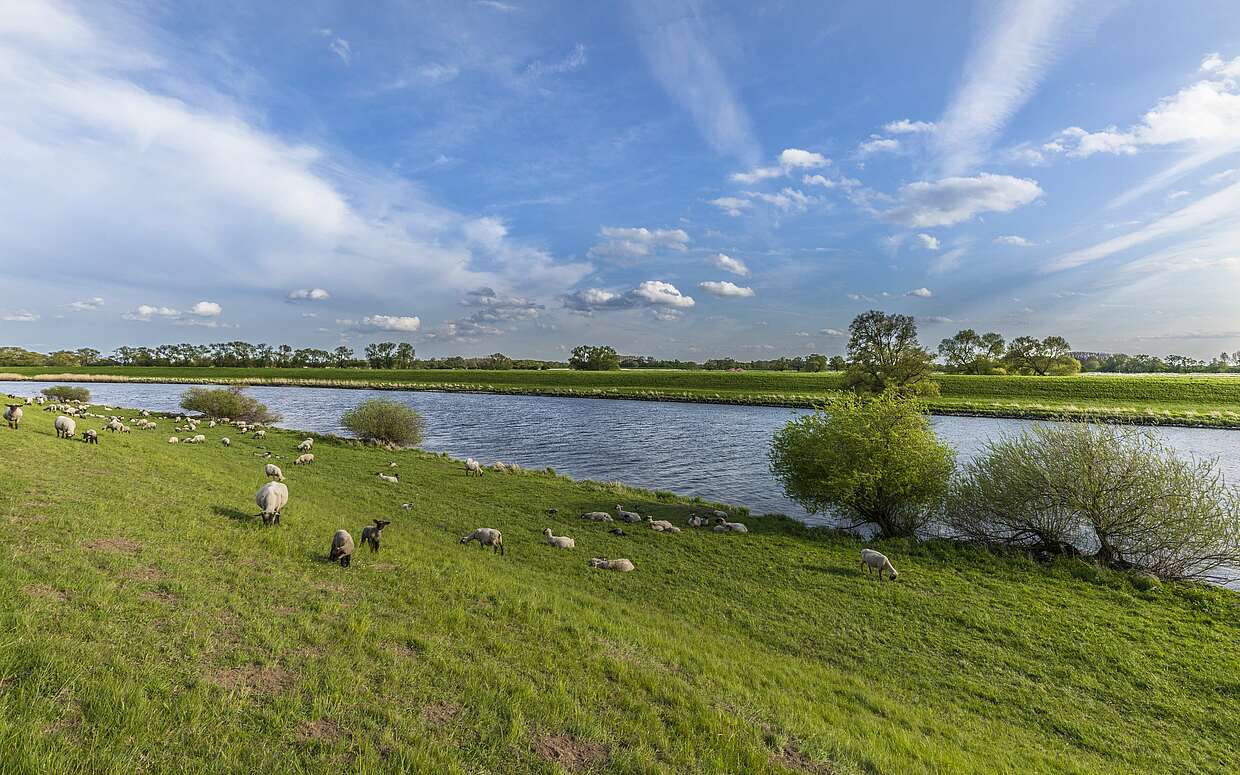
(385, 422)
(1116, 493)
(232, 403)
(67, 393)
(871, 461)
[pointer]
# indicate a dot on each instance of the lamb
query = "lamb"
(13, 415)
(227, 442)
(342, 548)
(872, 559)
(696, 521)
(473, 467)
(272, 497)
(559, 542)
(723, 526)
(304, 460)
(621, 566)
(305, 445)
(173, 440)
(372, 534)
(272, 470)
(597, 516)
(390, 478)
(124, 428)
(65, 427)
(486, 536)
(662, 525)
(626, 516)
(260, 434)
(90, 436)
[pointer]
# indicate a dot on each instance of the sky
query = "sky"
(673, 178)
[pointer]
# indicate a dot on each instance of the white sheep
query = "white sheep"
(621, 565)
(559, 542)
(626, 516)
(272, 470)
(723, 526)
(473, 467)
(260, 434)
(872, 559)
(271, 497)
(199, 439)
(305, 445)
(65, 427)
(227, 442)
(662, 525)
(499, 465)
(696, 521)
(90, 436)
(304, 460)
(342, 548)
(597, 516)
(13, 415)
(210, 423)
(114, 425)
(173, 440)
(486, 536)
(390, 478)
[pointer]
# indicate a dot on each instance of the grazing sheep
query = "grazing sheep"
(114, 425)
(662, 525)
(124, 428)
(304, 460)
(499, 465)
(626, 516)
(723, 526)
(227, 442)
(65, 427)
(373, 534)
(199, 439)
(90, 436)
(473, 467)
(260, 434)
(407, 506)
(342, 548)
(210, 423)
(872, 559)
(696, 521)
(390, 478)
(273, 470)
(173, 440)
(305, 445)
(486, 536)
(559, 542)
(271, 497)
(621, 566)
(13, 415)
(597, 516)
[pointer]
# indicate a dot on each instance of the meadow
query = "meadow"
(1167, 400)
(152, 623)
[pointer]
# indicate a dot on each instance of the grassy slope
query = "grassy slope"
(1154, 399)
(150, 621)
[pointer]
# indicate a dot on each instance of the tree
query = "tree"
(837, 363)
(63, 358)
(1028, 355)
(387, 422)
(594, 358)
(67, 393)
(231, 402)
(814, 363)
(342, 356)
(969, 353)
(87, 356)
(381, 355)
(883, 354)
(871, 461)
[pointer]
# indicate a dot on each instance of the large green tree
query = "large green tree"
(970, 353)
(884, 354)
(594, 358)
(1030, 355)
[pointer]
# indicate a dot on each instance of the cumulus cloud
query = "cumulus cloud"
(920, 293)
(877, 144)
(21, 316)
(907, 127)
(790, 159)
(834, 332)
(309, 294)
(660, 293)
(729, 264)
(732, 205)
(651, 293)
(1013, 240)
(86, 305)
(954, 200)
(629, 244)
(401, 324)
(206, 309)
(928, 241)
(825, 182)
(146, 312)
(726, 289)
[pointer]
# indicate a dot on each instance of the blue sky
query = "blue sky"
(682, 179)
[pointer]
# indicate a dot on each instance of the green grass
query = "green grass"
(1167, 400)
(150, 622)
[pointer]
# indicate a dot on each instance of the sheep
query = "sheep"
(199, 439)
(342, 548)
(304, 460)
(662, 525)
(390, 478)
(473, 467)
(872, 559)
(617, 531)
(621, 565)
(271, 497)
(272, 470)
(210, 423)
(486, 536)
(65, 427)
(260, 434)
(719, 514)
(597, 516)
(407, 506)
(173, 440)
(114, 425)
(559, 542)
(372, 534)
(90, 436)
(305, 445)
(124, 428)
(499, 465)
(626, 516)
(723, 526)
(13, 415)
(227, 442)
(696, 521)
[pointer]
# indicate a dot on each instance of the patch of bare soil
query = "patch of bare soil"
(319, 731)
(115, 545)
(251, 678)
(144, 573)
(570, 752)
(793, 758)
(46, 592)
(437, 714)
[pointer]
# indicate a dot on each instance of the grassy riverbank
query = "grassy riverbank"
(152, 623)
(1155, 400)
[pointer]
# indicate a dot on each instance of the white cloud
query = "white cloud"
(1174, 195)
(878, 144)
(206, 309)
(309, 294)
(954, 200)
(907, 127)
(928, 241)
(1226, 176)
(729, 264)
(726, 289)
(790, 159)
(401, 324)
(788, 199)
(145, 312)
(496, 5)
(86, 305)
(832, 332)
(338, 46)
(757, 174)
(825, 182)
(732, 205)
(662, 294)
(920, 293)
(948, 261)
(575, 60)
(651, 293)
(1013, 240)
(21, 316)
(637, 243)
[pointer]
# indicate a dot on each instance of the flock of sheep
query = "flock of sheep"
(273, 496)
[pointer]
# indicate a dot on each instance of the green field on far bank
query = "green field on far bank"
(1172, 399)
(153, 624)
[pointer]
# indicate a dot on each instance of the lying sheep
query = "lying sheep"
(199, 439)
(872, 559)
(227, 442)
(173, 440)
(723, 526)
(90, 436)
(65, 427)
(559, 542)
(473, 467)
(390, 478)
(486, 536)
(662, 525)
(342, 548)
(597, 516)
(272, 470)
(622, 565)
(271, 498)
(696, 521)
(13, 415)
(626, 516)
(373, 534)
(305, 445)
(304, 460)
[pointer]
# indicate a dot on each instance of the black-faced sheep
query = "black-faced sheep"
(13, 415)
(90, 436)
(486, 536)
(373, 534)
(272, 470)
(271, 498)
(342, 548)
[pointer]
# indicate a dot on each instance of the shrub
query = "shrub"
(383, 421)
(67, 393)
(231, 402)
(870, 461)
(1115, 493)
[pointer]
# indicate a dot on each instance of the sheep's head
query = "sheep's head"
(719, 520)
(382, 523)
